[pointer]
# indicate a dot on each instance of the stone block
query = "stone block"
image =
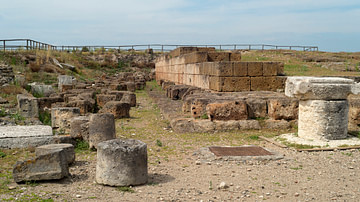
(255, 68)
(177, 91)
(218, 56)
(117, 108)
(121, 163)
(28, 106)
(102, 99)
(79, 128)
(198, 107)
(61, 118)
(85, 106)
(324, 120)
(235, 110)
(249, 125)
(283, 108)
(215, 83)
(49, 166)
(270, 68)
(203, 126)
(182, 50)
(46, 102)
(50, 148)
(235, 56)
(182, 125)
(130, 86)
(41, 89)
(257, 108)
(235, 84)
(240, 69)
(272, 83)
(318, 88)
(130, 98)
(226, 125)
(277, 124)
(195, 57)
(101, 128)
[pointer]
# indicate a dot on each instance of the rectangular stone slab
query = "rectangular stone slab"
(25, 131)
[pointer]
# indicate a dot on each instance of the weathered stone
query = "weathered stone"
(236, 110)
(130, 86)
(6, 74)
(129, 98)
(28, 106)
(25, 136)
(203, 126)
(283, 108)
(41, 89)
(176, 92)
(46, 102)
(50, 148)
(321, 119)
(121, 163)
(256, 107)
(255, 68)
(182, 125)
(249, 125)
(318, 88)
(269, 83)
(226, 125)
(85, 106)
(117, 108)
(101, 128)
(277, 124)
(65, 80)
(102, 99)
(49, 166)
(61, 118)
(79, 127)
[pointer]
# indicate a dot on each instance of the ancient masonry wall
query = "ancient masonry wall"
(219, 71)
(6, 74)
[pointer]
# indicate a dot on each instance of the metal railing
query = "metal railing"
(29, 44)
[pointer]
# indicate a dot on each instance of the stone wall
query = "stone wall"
(218, 71)
(6, 74)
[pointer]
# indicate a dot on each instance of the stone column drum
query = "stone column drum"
(323, 106)
(121, 162)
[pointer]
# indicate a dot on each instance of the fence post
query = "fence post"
(249, 47)
(4, 45)
(262, 47)
(234, 47)
(27, 44)
(220, 47)
(162, 48)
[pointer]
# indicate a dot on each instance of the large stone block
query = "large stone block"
(235, 84)
(79, 127)
(324, 120)
(41, 89)
(117, 108)
(101, 128)
(318, 88)
(61, 118)
(28, 106)
(218, 56)
(235, 57)
(235, 110)
(195, 57)
(49, 166)
(255, 68)
(272, 69)
(65, 80)
(257, 107)
(240, 69)
(283, 108)
(121, 163)
(271, 83)
(102, 99)
(50, 148)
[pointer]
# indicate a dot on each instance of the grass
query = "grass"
(81, 145)
(125, 189)
(45, 117)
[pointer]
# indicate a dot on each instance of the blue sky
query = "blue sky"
(331, 25)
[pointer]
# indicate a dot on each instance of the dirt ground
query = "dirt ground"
(175, 174)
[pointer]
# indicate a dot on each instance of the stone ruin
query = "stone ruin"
(230, 105)
(6, 74)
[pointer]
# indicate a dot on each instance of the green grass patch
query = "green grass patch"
(125, 189)
(45, 117)
(81, 145)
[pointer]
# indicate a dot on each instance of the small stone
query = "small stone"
(11, 187)
(223, 185)
(197, 163)
(296, 194)
(78, 196)
(248, 169)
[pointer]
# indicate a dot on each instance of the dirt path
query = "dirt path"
(177, 175)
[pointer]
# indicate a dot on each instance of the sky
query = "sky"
(332, 25)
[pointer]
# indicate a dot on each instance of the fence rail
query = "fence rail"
(29, 44)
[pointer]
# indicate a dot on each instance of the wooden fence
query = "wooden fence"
(29, 44)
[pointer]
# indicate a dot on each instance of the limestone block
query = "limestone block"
(203, 126)
(41, 89)
(271, 83)
(255, 68)
(28, 106)
(235, 84)
(140, 85)
(176, 92)
(257, 108)
(195, 57)
(79, 127)
(277, 124)
(318, 88)
(182, 50)
(215, 83)
(130, 98)
(61, 118)
(220, 68)
(272, 69)
(101, 128)
(44, 167)
(235, 110)
(325, 120)
(283, 108)
(182, 125)
(46, 102)
(198, 107)
(102, 99)
(240, 69)
(121, 163)
(218, 56)
(130, 86)
(85, 106)
(226, 125)
(249, 125)
(50, 148)
(235, 57)
(117, 108)
(65, 80)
